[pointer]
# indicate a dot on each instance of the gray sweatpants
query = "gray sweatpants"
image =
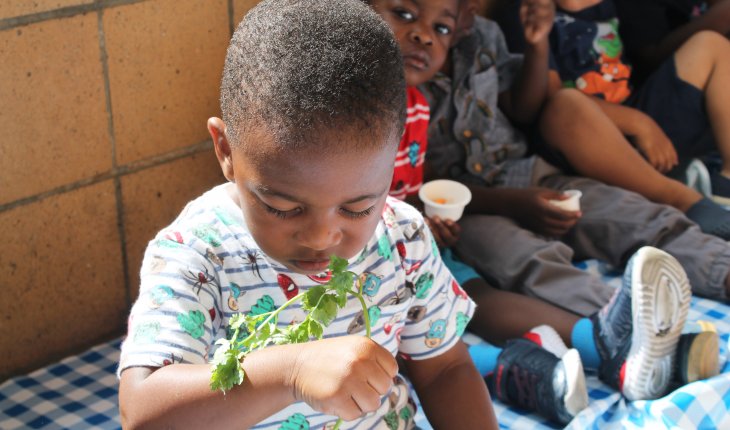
(614, 225)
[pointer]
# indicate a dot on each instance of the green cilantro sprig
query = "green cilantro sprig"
(253, 332)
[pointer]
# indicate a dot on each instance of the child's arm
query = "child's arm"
(449, 383)
(717, 18)
(524, 100)
(529, 207)
(345, 376)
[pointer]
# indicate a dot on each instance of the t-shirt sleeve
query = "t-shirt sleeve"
(440, 310)
(177, 314)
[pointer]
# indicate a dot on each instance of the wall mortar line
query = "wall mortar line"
(64, 12)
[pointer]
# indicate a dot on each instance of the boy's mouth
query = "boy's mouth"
(312, 266)
(416, 60)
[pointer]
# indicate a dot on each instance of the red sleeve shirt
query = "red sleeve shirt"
(408, 173)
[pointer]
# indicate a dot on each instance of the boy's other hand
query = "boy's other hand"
(531, 208)
(656, 146)
(343, 376)
(537, 18)
(445, 231)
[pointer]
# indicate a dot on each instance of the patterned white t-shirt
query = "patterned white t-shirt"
(205, 267)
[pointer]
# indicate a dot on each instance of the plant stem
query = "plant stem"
(273, 315)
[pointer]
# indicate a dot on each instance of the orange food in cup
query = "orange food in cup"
(440, 201)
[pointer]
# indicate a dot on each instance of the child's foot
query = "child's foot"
(548, 338)
(534, 379)
(697, 353)
(711, 218)
(637, 331)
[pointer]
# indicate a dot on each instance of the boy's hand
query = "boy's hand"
(656, 146)
(343, 376)
(445, 232)
(531, 208)
(537, 18)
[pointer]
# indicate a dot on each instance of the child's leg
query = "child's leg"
(573, 124)
(503, 315)
(704, 61)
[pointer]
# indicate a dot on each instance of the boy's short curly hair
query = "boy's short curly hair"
(298, 67)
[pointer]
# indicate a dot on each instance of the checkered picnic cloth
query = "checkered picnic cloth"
(80, 392)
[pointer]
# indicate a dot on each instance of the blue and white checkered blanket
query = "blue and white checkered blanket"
(80, 392)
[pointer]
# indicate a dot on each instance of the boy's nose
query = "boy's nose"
(320, 236)
(421, 37)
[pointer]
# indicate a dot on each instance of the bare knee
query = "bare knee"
(700, 55)
(564, 108)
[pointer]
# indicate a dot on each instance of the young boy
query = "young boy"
(425, 31)
(313, 108)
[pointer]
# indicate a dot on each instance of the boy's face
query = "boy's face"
(302, 207)
(424, 30)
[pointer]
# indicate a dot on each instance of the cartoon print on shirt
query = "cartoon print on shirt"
(458, 291)
(235, 294)
(424, 284)
(200, 279)
(252, 258)
(388, 216)
(193, 323)
(295, 422)
(384, 247)
(287, 285)
(171, 239)
(146, 333)
(461, 321)
(413, 152)
(322, 278)
(263, 305)
(222, 215)
(159, 295)
(156, 264)
(208, 234)
(212, 257)
(370, 284)
(436, 333)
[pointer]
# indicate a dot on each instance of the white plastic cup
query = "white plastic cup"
(572, 203)
(444, 198)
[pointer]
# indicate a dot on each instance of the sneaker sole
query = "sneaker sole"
(576, 395)
(660, 304)
(702, 359)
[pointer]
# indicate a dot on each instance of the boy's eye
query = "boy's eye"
(357, 214)
(442, 29)
(404, 14)
(281, 214)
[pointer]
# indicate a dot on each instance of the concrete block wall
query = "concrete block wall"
(103, 106)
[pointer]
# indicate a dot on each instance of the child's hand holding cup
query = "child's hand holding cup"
(444, 198)
(571, 202)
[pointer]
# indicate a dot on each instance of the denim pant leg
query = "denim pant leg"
(513, 258)
(617, 222)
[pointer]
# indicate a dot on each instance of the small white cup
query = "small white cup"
(444, 198)
(572, 203)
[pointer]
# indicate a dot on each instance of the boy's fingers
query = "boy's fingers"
(387, 363)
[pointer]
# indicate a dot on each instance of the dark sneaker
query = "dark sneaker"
(711, 218)
(637, 331)
(532, 378)
(697, 356)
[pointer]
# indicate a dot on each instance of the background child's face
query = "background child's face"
(301, 207)
(424, 30)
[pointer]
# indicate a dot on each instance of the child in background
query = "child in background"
(313, 107)
(678, 113)
(425, 31)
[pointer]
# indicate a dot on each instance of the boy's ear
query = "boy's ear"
(217, 130)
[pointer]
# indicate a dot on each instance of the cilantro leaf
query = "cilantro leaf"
(326, 310)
